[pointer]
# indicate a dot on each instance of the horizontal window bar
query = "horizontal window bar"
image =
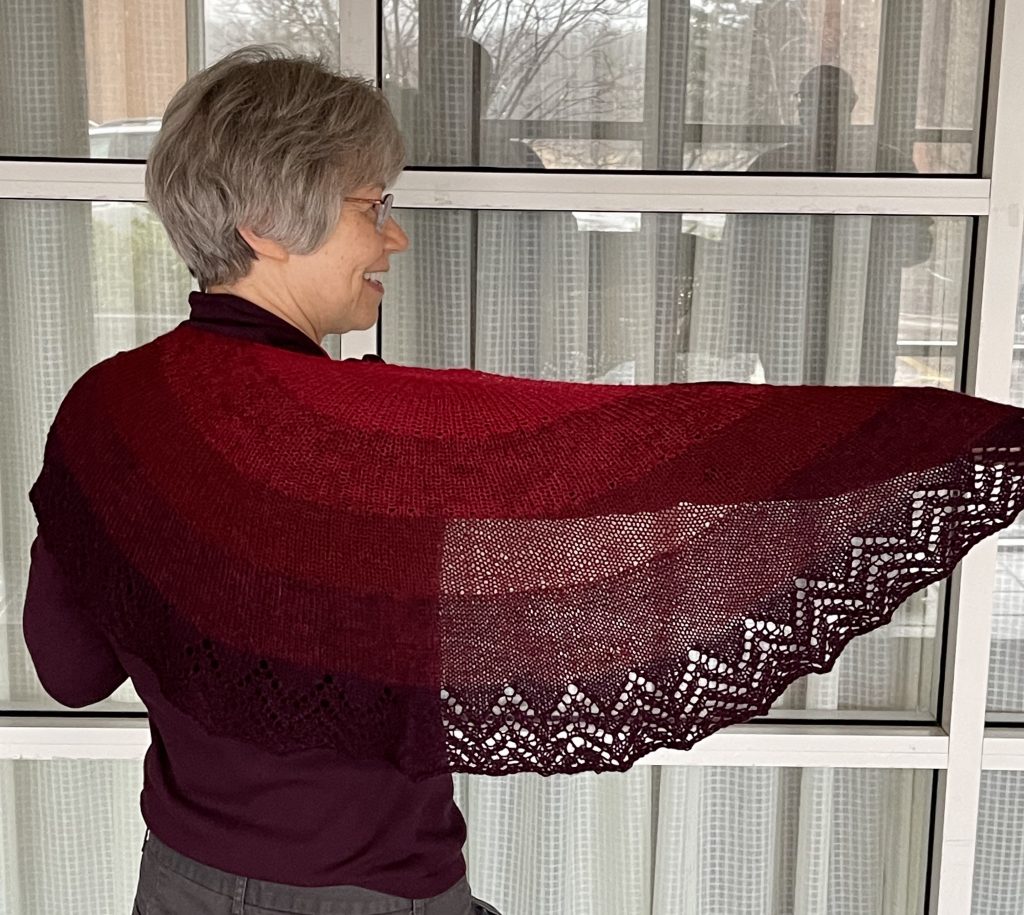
(1001, 721)
(741, 745)
(740, 193)
(826, 746)
(1004, 748)
(926, 345)
(72, 180)
(92, 738)
(587, 191)
(697, 133)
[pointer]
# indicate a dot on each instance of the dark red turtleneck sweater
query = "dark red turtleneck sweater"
(308, 818)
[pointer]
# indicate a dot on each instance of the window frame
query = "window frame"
(960, 743)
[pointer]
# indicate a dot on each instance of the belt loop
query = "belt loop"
(238, 902)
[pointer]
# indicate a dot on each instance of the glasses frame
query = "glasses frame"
(381, 205)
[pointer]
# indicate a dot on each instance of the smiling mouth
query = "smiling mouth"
(374, 280)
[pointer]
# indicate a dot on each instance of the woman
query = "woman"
(333, 584)
(271, 146)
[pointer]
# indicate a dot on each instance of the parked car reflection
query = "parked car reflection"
(131, 138)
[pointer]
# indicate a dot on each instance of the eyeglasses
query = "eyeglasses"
(381, 206)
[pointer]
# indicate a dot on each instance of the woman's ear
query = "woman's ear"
(265, 248)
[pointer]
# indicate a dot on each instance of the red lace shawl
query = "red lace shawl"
(457, 571)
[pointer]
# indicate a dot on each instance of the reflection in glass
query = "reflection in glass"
(135, 57)
(628, 298)
(92, 78)
(310, 27)
(621, 84)
(827, 140)
(611, 84)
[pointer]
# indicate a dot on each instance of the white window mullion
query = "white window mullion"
(988, 375)
(788, 744)
(693, 193)
(360, 36)
(68, 738)
(359, 53)
(963, 718)
(773, 745)
(827, 746)
(551, 191)
(32, 179)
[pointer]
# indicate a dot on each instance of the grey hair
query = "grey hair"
(267, 141)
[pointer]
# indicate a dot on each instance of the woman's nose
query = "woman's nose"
(395, 238)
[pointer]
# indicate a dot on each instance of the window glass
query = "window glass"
(92, 79)
(613, 84)
(81, 282)
(686, 839)
(1006, 661)
(310, 27)
(651, 841)
(70, 836)
(658, 297)
(619, 298)
(999, 857)
(628, 298)
(78, 282)
(806, 86)
(842, 841)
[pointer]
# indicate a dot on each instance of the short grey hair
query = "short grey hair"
(267, 141)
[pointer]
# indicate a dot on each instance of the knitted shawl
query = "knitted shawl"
(459, 571)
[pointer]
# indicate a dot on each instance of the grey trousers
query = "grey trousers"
(171, 884)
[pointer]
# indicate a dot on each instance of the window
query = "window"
(739, 86)
(614, 191)
(1006, 681)
(998, 883)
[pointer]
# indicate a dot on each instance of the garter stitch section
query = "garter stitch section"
(457, 571)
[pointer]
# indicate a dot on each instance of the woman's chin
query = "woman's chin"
(363, 321)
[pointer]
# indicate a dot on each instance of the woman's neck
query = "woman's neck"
(277, 302)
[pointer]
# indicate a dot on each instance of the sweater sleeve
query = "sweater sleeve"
(73, 658)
